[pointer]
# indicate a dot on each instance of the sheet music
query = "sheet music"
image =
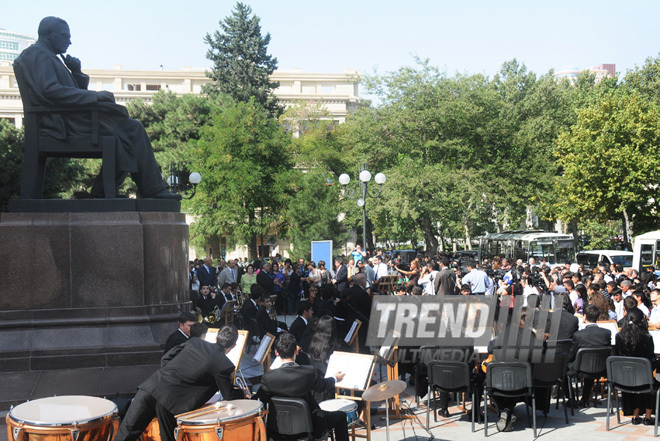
(276, 363)
(391, 340)
(656, 341)
(263, 347)
(349, 334)
(235, 354)
(356, 367)
(612, 327)
(211, 335)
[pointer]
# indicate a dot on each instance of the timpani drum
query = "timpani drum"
(152, 432)
(65, 418)
(349, 407)
(237, 420)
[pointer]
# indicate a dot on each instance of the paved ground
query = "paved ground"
(586, 425)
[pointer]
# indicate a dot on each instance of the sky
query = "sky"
(466, 37)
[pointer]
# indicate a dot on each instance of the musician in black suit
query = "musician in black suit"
(568, 323)
(445, 281)
(251, 305)
(207, 274)
(296, 381)
(264, 321)
(360, 302)
(181, 335)
(592, 336)
(206, 301)
(300, 326)
(341, 275)
(190, 374)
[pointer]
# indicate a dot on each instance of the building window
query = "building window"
(133, 87)
(4, 56)
(11, 45)
(155, 87)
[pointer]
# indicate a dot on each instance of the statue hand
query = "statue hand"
(72, 63)
(106, 96)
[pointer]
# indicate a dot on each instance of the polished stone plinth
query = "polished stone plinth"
(90, 290)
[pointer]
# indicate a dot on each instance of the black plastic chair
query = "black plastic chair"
(560, 347)
(631, 375)
(292, 419)
(509, 379)
(551, 373)
(589, 363)
(448, 376)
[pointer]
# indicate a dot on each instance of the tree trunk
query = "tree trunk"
(429, 237)
(572, 227)
(252, 245)
(468, 240)
(627, 231)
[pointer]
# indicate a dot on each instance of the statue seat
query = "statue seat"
(39, 146)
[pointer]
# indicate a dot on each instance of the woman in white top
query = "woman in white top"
(314, 276)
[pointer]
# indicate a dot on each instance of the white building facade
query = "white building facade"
(336, 93)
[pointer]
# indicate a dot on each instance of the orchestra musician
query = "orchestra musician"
(190, 375)
(296, 381)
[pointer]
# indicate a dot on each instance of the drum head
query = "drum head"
(338, 404)
(224, 411)
(64, 410)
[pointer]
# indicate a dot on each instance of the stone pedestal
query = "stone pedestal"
(98, 290)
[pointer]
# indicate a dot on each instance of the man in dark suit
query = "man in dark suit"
(265, 280)
(341, 275)
(295, 381)
(445, 281)
(190, 374)
(181, 335)
(264, 320)
(251, 305)
(591, 336)
(50, 79)
(300, 326)
(359, 303)
(568, 323)
(206, 302)
(207, 274)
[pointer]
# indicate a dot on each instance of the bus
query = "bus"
(646, 252)
(553, 248)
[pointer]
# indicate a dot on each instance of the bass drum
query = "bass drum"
(65, 418)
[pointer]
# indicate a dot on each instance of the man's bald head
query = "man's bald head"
(50, 24)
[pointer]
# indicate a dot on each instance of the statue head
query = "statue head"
(54, 32)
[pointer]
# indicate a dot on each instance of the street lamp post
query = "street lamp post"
(176, 186)
(360, 193)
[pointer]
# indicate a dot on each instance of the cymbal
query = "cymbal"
(384, 391)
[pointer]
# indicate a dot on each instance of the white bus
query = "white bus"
(646, 251)
(554, 248)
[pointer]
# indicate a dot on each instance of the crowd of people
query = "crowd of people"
(327, 299)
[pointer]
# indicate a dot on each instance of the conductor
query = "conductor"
(57, 81)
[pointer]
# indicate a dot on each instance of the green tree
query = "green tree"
(64, 177)
(313, 213)
(11, 159)
(611, 160)
(241, 63)
(646, 79)
(246, 167)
